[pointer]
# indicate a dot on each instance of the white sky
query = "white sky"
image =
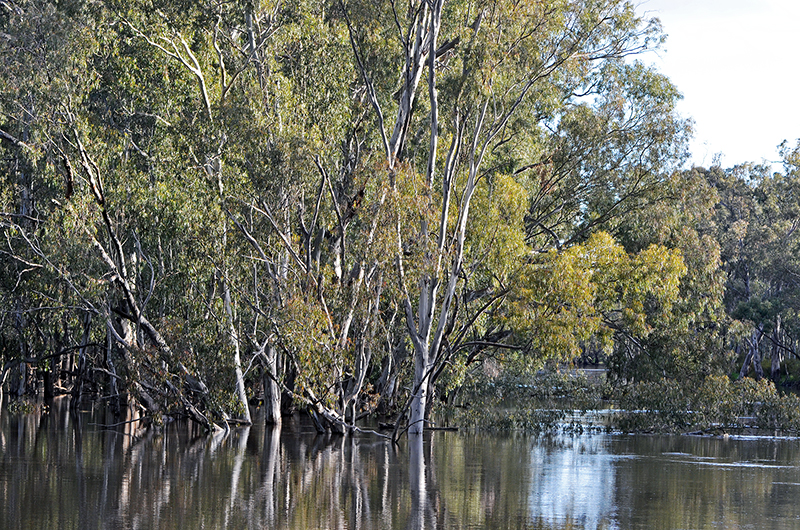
(737, 63)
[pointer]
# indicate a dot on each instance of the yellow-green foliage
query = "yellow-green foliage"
(717, 405)
(243, 145)
(496, 234)
(304, 334)
(565, 297)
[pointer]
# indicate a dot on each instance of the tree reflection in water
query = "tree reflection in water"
(62, 469)
(416, 481)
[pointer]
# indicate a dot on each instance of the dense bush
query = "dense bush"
(719, 405)
(549, 401)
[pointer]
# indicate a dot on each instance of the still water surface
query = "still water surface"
(62, 470)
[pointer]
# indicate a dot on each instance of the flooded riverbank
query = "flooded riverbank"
(68, 469)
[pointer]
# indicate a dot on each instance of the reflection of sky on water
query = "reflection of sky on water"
(573, 480)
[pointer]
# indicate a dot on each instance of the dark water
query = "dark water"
(62, 470)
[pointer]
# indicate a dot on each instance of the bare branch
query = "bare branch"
(13, 141)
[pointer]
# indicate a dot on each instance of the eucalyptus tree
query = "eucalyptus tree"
(317, 187)
(685, 341)
(757, 218)
(270, 124)
(127, 233)
(46, 310)
(485, 88)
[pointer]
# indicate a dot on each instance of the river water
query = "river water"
(66, 470)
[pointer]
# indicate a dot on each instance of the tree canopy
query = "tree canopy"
(347, 207)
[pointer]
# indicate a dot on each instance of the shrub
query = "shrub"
(719, 404)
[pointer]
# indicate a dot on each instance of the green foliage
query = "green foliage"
(756, 220)
(717, 405)
(222, 170)
(496, 241)
(593, 289)
(685, 342)
(549, 401)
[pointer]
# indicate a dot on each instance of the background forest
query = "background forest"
(358, 208)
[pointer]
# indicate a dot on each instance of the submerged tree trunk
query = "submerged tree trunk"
(241, 392)
(272, 390)
(419, 400)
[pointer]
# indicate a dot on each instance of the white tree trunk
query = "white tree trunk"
(241, 393)
(272, 391)
(417, 482)
(419, 401)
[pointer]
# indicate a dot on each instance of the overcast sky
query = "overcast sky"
(737, 63)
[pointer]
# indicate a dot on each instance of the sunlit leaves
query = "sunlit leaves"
(240, 145)
(596, 288)
(496, 241)
(717, 404)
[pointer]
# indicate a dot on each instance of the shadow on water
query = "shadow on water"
(65, 468)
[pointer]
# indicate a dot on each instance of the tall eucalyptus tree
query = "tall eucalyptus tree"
(501, 80)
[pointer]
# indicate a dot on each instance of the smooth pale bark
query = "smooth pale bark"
(412, 75)
(241, 392)
(429, 283)
(272, 390)
(178, 49)
(416, 480)
(777, 352)
(753, 354)
(427, 340)
(419, 400)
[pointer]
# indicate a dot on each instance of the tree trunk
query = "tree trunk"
(757, 367)
(419, 400)
(241, 392)
(272, 391)
(387, 383)
(777, 352)
(49, 383)
(288, 406)
(753, 355)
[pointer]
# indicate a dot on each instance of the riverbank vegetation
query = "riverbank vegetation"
(363, 208)
(571, 402)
